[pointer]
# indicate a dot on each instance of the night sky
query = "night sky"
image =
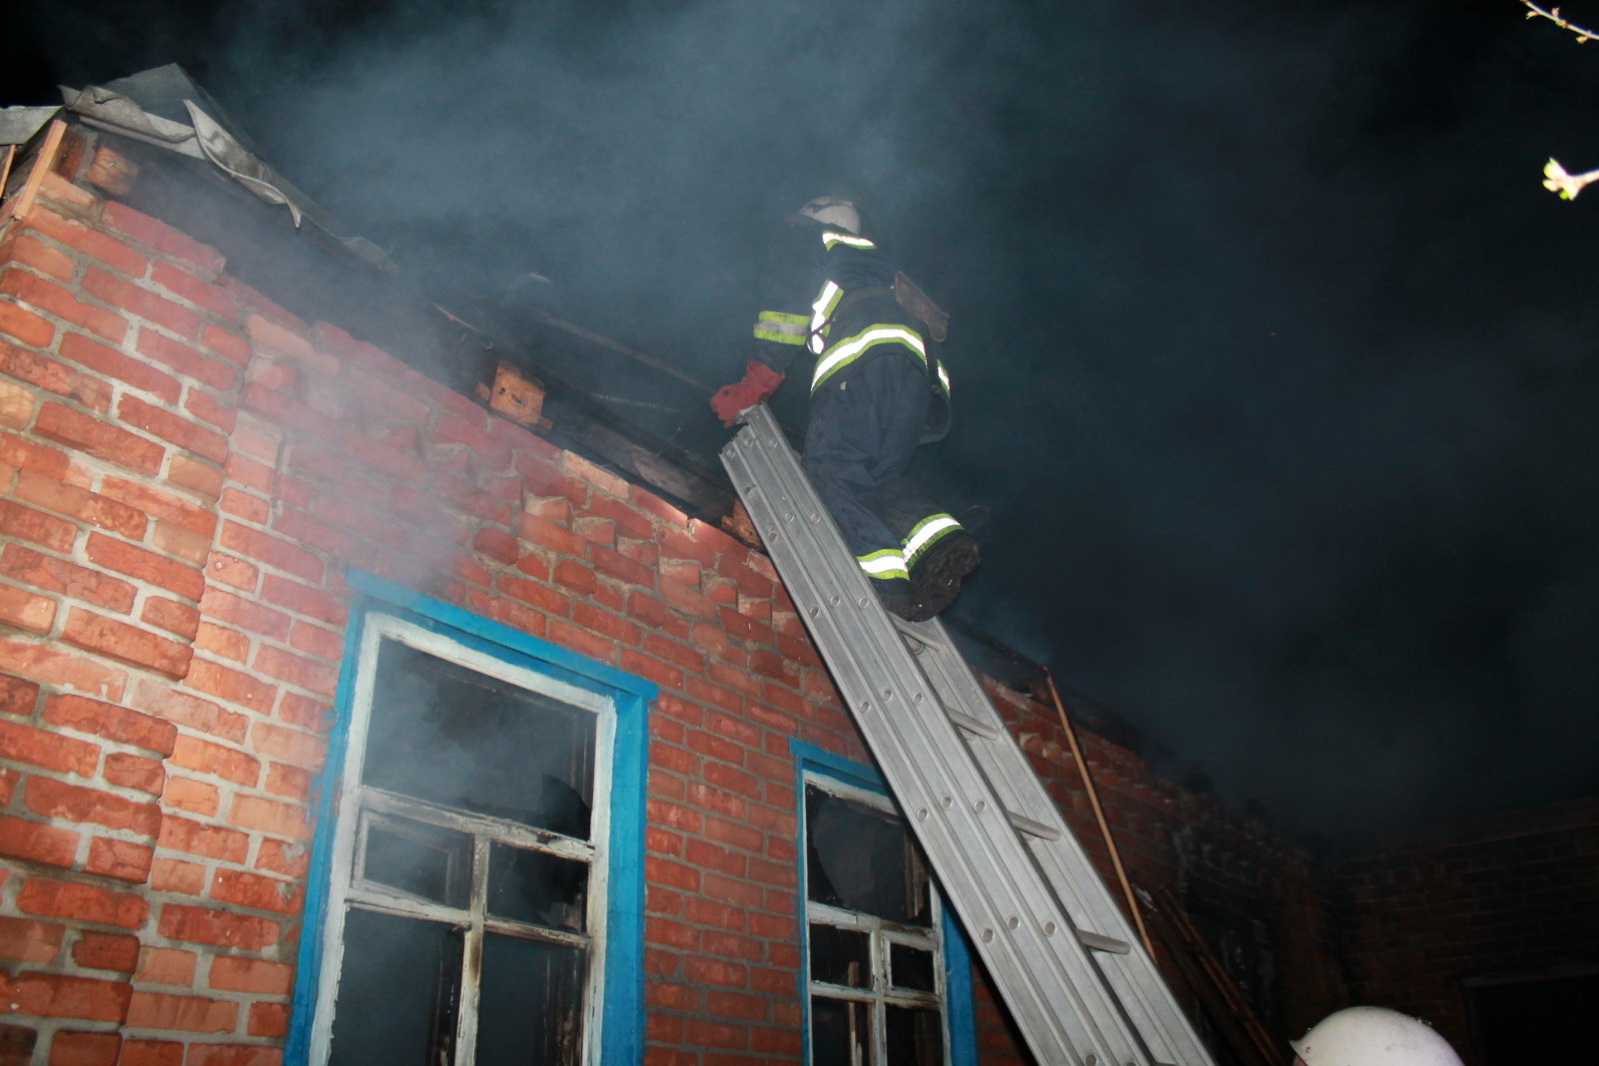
(1276, 386)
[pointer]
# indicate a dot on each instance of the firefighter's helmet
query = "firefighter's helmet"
(831, 211)
(1373, 1036)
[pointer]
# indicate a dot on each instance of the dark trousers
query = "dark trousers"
(863, 432)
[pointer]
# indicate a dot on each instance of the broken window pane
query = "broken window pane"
(910, 967)
(532, 1005)
(446, 734)
(841, 1032)
(915, 1036)
(417, 859)
(841, 956)
(862, 859)
(398, 992)
(537, 887)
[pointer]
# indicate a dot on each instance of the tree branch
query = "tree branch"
(1553, 15)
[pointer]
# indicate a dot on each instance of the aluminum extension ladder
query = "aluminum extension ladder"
(1078, 982)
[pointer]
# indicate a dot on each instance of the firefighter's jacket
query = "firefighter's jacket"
(852, 316)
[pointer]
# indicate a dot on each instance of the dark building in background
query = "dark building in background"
(370, 691)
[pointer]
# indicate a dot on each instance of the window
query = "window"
(888, 979)
(482, 901)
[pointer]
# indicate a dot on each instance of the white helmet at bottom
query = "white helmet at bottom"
(1373, 1036)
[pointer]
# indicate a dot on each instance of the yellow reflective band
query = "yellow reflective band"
(884, 565)
(821, 311)
(943, 377)
(830, 238)
(781, 327)
(926, 532)
(846, 352)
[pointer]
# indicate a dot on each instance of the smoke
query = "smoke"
(1273, 362)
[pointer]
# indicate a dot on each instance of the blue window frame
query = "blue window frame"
(887, 974)
(476, 887)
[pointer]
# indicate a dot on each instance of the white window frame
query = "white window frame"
(882, 934)
(353, 801)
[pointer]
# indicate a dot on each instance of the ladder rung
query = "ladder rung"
(1032, 826)
(975, 726)
(1101, 942)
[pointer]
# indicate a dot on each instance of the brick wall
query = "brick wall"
(186, 471)
(1511, 896)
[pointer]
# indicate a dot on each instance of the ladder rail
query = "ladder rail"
(1062, 859)
(1078, 982)
(1060, 1026)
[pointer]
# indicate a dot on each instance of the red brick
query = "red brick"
(232, 685)
(216, 760)
(233, 1055)
(222, 643)
(498, 545)
(28, 940)
(255, 891)
(193, 289)
(25, 326)
(270, 816)
(176, 875)
(186, 433)
(82, 903)
(268, 1020)
(673, 652)
(26, 523)
(75, 803)
(165, 966)
(51, 375)
(106, 951)
(199, 925)
(26, 610)
(258, 976)
(89, 507)
(122, 859)
(41, 747)
(135, 772)
(191, 1014)
(85, 1049)
(100, 439)
(55, 996)
(18, 695)
(45, 258)
(231, 610)
(112, 363)
(150, 1053)
(184, 543)
(134, 299)
(161, 237)
(275, 552)
(302, 599)
(179, 619)
(92, 242)
(185, 359)
(52, 299)
(314, 674)
(125, 643)
(209, 409)
(37, 842)
(186, 709)
(291, 859)
(233, 572)
(111, 721)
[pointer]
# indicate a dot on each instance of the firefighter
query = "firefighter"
(877, 392)
(1372, 1036)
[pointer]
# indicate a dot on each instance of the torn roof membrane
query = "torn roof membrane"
(164, 107)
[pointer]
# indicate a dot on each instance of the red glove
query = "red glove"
(758, 384)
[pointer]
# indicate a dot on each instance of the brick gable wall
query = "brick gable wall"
(1510, 897)
(186, 471)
